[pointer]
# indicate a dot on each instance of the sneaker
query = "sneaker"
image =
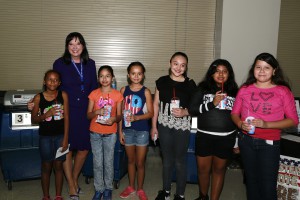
(47, 198)
(59, 198)
(142, 195)
(107, 194)
(127, 192)
(97, 195)
(73, 197)
(177, 197)
(162, 195)
(79, 190)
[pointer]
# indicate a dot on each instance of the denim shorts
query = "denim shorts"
(49, 146)
(137, 138)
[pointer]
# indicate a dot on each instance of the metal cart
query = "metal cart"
(19, 152)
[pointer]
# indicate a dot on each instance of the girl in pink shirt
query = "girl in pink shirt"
(266, 98)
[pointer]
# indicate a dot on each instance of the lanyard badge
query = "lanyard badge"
(80, 73)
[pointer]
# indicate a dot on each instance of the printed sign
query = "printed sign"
(288, 182)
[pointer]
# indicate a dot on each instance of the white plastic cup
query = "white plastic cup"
(58, 113)
(249, 120)
(126, 114)
(223, 102)
(175, 103)
(102, 119)
(107, 114)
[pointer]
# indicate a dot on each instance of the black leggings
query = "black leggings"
(174, 144)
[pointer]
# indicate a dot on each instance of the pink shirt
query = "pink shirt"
(268, 104)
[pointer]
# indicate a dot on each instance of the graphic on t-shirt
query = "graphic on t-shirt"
(103, 101)
(229, 101)
(266, 95)
(260, 102)
(106, 103)
(133, 103)
(60, 113)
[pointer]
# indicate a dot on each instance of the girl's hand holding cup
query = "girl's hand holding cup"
(248, 125)
(219, 96)
(128, 118)
(179, 112)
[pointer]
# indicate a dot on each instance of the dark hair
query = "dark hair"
(136, 63)
(208, 84)
(277, 78)
(178, 53)
(84, 55)
(107, 67)
(47, 73)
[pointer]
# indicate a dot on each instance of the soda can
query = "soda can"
(223, 102)
(249, 120)
(126, 114)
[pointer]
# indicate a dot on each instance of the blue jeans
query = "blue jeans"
(103, 146)
(261, 164)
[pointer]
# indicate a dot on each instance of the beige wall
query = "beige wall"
(118, 32)
(252, 27)
(288, 51)
(248, 28)
(243, 29)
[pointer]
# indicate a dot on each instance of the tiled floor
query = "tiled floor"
(31, 190)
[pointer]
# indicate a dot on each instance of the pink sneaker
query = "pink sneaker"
(127, 192)
(142, 195)
(59, 198)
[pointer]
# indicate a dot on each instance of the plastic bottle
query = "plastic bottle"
(114, 83)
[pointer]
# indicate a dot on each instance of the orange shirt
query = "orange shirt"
(100, 100)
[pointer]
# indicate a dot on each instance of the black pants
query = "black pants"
(174, 144)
